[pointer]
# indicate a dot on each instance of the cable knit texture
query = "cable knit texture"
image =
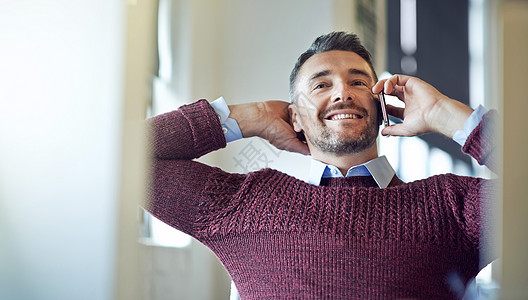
(282, 238)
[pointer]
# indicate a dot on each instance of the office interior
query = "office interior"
(78, 78)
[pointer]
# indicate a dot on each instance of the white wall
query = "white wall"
(60, 119)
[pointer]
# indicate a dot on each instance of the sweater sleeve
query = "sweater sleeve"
(187, 133)
(481, 142)
(177, 183)
(474, 201)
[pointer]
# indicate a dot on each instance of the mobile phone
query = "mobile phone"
(384, 109)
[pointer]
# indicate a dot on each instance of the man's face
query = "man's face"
(335, 107)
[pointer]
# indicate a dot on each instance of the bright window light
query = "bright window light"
(415, 157)
(163, 235)
(441, 162)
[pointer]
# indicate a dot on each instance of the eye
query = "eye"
(359, 82)
(320, 86)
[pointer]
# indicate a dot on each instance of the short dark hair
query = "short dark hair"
(337, 40)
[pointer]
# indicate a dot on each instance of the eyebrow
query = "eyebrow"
(359, 72)
(320, 74)
(350, 71)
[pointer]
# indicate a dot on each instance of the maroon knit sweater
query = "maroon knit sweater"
(282, 238)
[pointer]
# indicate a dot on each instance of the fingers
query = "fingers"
(378, 87)
(392, 85)
(396, 83)
(396, 130)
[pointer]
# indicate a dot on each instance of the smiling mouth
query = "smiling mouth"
(344, 116)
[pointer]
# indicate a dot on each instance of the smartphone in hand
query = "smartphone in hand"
(384, 109)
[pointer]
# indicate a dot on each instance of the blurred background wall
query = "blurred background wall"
(61, 97)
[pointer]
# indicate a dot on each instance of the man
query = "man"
(354, 230)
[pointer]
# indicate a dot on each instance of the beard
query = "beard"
(327, 140)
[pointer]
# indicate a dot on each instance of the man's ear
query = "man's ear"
(294, 118)
(295, 121)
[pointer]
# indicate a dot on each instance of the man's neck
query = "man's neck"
(345, 161)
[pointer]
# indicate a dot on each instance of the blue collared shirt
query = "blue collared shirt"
(379, 168)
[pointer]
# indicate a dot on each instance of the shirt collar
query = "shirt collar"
(379, 168)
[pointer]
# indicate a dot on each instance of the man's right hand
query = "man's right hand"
(269, 120)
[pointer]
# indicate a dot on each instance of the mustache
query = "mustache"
(343, 105)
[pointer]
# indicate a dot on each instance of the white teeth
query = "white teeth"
(345, 116)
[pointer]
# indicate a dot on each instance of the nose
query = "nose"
(343, 93)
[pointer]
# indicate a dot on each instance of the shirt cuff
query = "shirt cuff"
(229, 126)
(472, 122)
